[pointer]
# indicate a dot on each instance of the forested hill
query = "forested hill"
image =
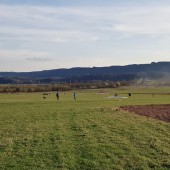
(160, 67)
(153, 71)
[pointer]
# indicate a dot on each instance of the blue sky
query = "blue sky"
(41, 34)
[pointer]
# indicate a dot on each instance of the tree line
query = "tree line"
(26, 88)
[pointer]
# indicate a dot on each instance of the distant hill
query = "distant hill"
(128, 72)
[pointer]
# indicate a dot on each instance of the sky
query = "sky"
(51, 34)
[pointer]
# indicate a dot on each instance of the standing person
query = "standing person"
(74, 96)
(129, 94)
(57, 95)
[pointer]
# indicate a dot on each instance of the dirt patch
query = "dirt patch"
(161, 112)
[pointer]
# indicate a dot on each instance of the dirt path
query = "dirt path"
(161, 112)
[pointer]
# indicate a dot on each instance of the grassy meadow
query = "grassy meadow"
(89, 133)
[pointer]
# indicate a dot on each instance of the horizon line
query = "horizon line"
(154, 62)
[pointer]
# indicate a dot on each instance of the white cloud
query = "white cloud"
(38, 59)
(151, 21)
(21, 54)
(31, 34)
(88, 31)
(81, 23)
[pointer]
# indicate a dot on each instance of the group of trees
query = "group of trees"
(13, 88)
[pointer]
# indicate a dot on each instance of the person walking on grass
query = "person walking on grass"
(57, 95)
(129, 95)
(75, 96)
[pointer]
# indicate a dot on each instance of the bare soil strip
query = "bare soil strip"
(161, 112)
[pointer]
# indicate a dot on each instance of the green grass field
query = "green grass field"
(89, 133)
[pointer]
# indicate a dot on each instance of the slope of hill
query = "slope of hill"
(128, 72)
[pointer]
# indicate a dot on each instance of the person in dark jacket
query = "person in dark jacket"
(57, 95)
(75, 96)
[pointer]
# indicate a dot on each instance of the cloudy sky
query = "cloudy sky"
(50, 34)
